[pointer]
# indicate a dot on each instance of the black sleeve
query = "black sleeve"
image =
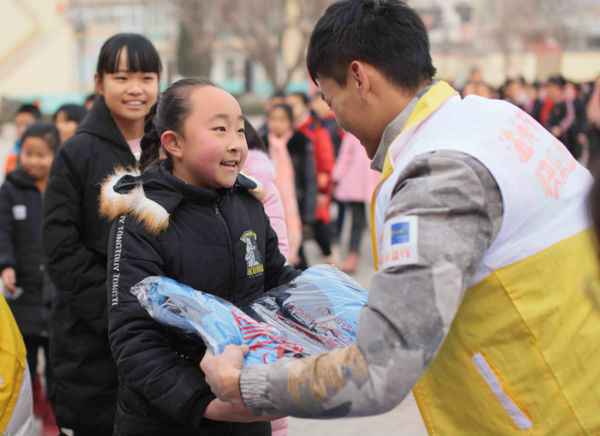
(276, 271)
(78, 273)
(310, 184)
(140, 347)
(7, 253)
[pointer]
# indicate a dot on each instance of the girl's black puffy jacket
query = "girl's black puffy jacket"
(216, 241)
(21, 249)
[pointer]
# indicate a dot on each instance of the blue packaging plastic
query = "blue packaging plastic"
(316, 312)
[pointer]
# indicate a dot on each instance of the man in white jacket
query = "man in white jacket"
(478, 305)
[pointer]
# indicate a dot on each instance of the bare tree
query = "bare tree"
(272, 33)
(199, 28)
(515, 25)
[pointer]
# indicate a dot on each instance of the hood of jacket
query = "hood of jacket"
(99, 122)
(152, 197)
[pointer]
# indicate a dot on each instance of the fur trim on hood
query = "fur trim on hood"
(132, 201)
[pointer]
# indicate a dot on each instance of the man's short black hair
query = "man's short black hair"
(384, 33)
(29, 108)
(302, 96)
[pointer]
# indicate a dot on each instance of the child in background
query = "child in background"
(76, 236)
(311, 127)
(26, 115)
(89, 101)
(192, 218)
(354, 182)
(259, 166)
(295, 174)
(28, 288)
(324, 115)
(67, 118)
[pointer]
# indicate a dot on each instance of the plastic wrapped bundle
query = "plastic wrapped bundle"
(316, 312)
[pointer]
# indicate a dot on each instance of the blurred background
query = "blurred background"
(254, 47)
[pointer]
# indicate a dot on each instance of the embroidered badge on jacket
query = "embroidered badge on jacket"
(253, 258)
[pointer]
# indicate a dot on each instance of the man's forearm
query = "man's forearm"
(410, 308)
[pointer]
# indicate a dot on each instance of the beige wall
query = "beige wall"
(37, 51)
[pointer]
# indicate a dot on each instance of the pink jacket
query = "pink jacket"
(353, 174)
(284, 181)
(259, 166)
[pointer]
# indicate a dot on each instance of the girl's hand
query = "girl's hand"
(9, 278)
(293, 259)
(218, 410)
(222, 372)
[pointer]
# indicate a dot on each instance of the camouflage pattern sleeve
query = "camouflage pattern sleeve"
(450, 208)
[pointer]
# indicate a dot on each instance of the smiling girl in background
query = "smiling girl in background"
(75, 236)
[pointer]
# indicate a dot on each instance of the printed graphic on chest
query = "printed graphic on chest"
(254, 262)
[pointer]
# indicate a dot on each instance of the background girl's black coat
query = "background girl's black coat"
(75, 239)
(21, 249)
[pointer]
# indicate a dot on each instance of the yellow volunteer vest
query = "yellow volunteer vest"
(523, 353)
(12, 364)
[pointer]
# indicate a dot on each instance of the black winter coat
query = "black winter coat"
(305, 174)
(75, 240)
(21, 249)
(216, 241)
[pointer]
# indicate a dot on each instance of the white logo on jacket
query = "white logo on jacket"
(19, 212)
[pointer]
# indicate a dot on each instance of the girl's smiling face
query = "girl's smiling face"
(128, 94)
(279, 122)
(212, 148)
(36, 157)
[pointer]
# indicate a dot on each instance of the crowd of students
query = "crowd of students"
(569, 110)
(181, 207)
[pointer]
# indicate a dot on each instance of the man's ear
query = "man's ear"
(172, 143)
(358, 77)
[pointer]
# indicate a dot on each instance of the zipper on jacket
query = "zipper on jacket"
(230, 244)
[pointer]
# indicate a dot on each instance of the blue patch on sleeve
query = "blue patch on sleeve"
(400, 233)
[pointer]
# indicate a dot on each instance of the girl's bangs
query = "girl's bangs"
(142, 56)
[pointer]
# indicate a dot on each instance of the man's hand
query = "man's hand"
(218, 410)
(222, 372)
(9, 278)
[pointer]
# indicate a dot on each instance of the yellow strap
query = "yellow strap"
(437, 95)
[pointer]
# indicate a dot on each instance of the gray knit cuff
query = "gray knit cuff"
(254, 387)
